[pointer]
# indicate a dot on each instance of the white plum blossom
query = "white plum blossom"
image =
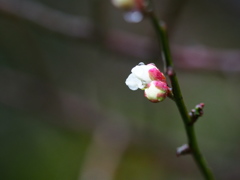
(134, 10)
(150, 79)
(142, 75)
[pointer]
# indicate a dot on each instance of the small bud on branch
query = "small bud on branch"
(196, 113)
(183, 150)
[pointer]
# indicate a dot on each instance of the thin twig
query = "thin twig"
(192, 141)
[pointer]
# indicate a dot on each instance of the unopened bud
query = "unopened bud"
(130, 5)
(124, 4)
(156, 74)
(156, 91)
(196, 113)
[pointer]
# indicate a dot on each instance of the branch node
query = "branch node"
(183, 150)
(170, 71)
(196, 113)
(170, 94)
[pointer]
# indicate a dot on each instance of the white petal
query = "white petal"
(141, 72)
(133, 82)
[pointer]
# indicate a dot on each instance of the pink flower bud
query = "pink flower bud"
(156, 74)
(156, 91)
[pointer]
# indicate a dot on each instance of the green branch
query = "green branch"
(177, 96)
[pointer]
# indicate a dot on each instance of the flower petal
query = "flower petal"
(133, 82)
(141, 72)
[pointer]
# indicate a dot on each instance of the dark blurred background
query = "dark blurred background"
(66, 113)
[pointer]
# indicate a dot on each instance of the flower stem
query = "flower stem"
(192, 141)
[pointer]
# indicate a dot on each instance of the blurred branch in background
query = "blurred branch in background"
(190, 58)
(207, 58)
(222, 60)
(51, 19)
(110, 140)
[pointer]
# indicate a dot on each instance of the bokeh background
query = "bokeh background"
(66, 113)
